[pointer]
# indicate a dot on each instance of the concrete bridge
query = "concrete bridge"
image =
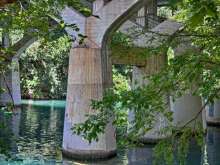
(90, 70)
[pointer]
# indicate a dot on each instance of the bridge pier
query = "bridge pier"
(90, 71)
(188, 106)
(153, 65)
(213, 114)
(185, 109)
(86, 82)
(10, 82)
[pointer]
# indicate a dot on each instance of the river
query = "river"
(37, 140)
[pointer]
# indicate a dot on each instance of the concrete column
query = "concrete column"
(10, 82)
(213, 114)
(97, 5)
(141, 17)
(185, 109)
(85, 82)
(154, 64)
(151, 14)
(188, 106)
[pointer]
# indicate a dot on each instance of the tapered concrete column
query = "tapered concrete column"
(154, 64)
(185, 109)
(10, 82)
(86, 82)
(213, 114)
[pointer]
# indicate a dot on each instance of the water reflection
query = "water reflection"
(213, 146)
(38, 129)
(7, 144)
(41, 130)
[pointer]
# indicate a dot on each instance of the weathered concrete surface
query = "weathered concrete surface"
(106, 18)
(155, 38)
(159, 34)
(188, 106)
(213, 114)
(85, 83)
(72, 17)
(90, 73)
(139, 79)
(11, 81)
(185, 108)
(111, 16)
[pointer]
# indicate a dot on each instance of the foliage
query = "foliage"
(26, 19)
(23, 21)
(44, 69)
(195, 70)
(97, 124)
(34, 19)
(200, 67)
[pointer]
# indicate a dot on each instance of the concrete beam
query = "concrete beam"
(185, 108)
(213, 114)
(155, 38)
(110, 17)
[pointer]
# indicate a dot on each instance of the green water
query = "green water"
(37, 140)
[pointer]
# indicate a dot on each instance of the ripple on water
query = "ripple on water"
(38, 128)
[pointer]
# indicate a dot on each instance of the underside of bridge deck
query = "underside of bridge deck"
(90, 69)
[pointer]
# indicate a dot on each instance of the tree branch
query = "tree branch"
(201, 110)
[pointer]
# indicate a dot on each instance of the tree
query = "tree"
(22, 22)
(34, 19)
(50, 60)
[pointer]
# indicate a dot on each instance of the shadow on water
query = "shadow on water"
(6, 133)
(33, 136)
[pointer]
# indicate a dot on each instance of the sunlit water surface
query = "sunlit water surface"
(38, 130)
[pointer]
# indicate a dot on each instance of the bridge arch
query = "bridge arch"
(90, 73)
